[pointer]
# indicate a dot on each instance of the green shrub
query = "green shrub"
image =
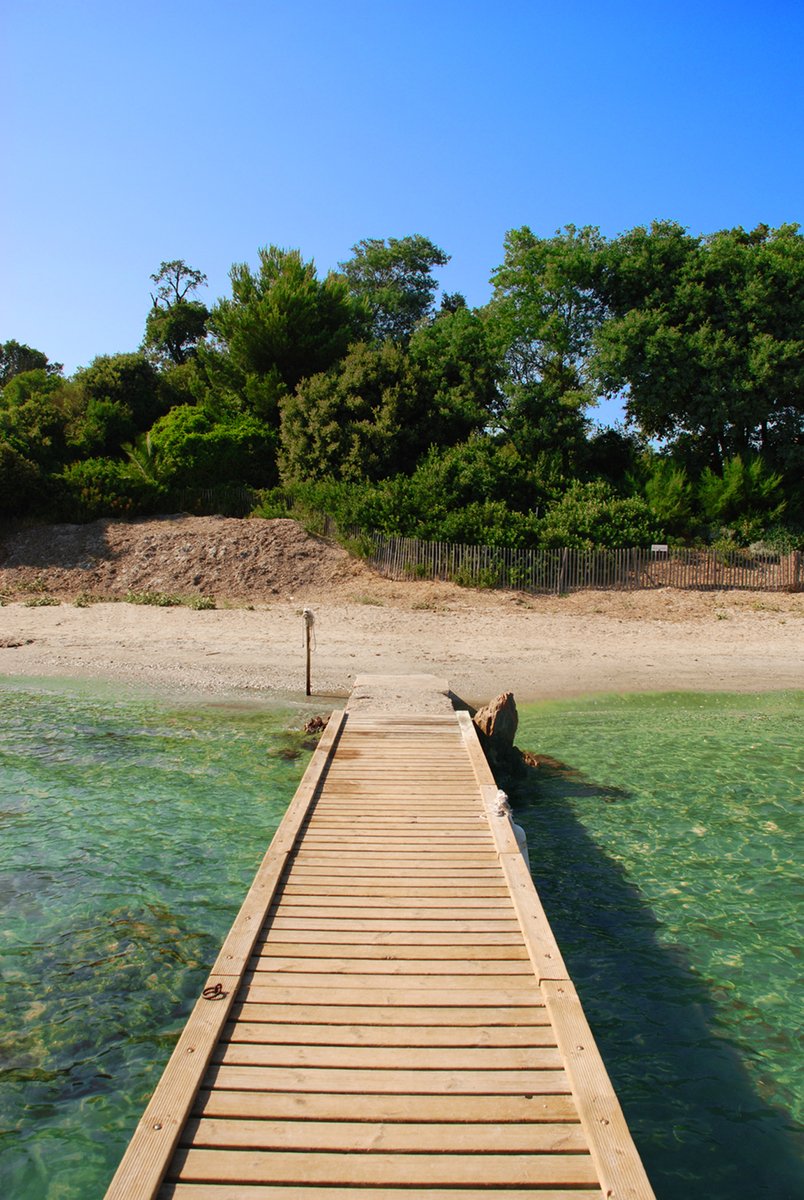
(191, 448)
(105, 487)
(670, 496)
(745, 498)
(20, 481)
(480, 577)
(154, 599)
(201, 603)
(591, 514)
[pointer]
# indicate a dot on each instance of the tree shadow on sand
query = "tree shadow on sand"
(700, 1126)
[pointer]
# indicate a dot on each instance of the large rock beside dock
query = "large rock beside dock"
(497, 723)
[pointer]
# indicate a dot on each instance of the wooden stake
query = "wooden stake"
(309, 620)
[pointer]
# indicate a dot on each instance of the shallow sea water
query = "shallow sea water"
(131, 829)
(663, 842)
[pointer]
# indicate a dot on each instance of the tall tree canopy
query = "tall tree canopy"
(282, 324)
(380, 409)
(175, 325)
(16, 357)
(543, 315)
(704, 338)
(394, 280)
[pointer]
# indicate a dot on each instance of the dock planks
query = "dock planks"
(389, 1016)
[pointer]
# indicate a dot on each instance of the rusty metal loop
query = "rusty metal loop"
(214, 992)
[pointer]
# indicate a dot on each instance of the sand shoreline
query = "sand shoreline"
(482, 643)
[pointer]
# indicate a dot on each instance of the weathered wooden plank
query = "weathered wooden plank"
(359, 1013)
(421, 870)
(322, 950)
(330, 815)
(432, 854)
(391, 1058)
(386, 925)
(288, 903)
(442, 859)
(491, 911)
(425, 1083)
(243, 1191)
(426, 787)
(396, 839)
(435, 967)
(399, 1106)
(405, 969)
(427, 995)
(301, 1034)
(356, 888)
(377, 766)
(300, 896)
(409, 1170)
(358, 1137)
(397, 826)
(408, 975)
(400, 844)
(381, 937)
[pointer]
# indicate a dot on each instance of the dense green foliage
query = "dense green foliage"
(16, 358)
(394, 281)
(356, 396)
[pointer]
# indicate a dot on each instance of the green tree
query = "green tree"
(378, 411)
(670, 496)
(281, 324)
(33, 420)
(128, 381)
(484, 468)
(15, 358)
(353, 422)
(744, 497)
(704, 339)
(458, 375)
(612, 454)
(175, 325)
(20, 481)
(543, 315)
(101, 427)
(105, 487)
(393, 279)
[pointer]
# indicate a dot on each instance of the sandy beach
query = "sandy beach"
(482, 643)
(67, 608)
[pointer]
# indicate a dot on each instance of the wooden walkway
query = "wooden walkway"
(390, 1016)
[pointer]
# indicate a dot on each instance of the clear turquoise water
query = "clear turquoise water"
(662, 841)
(130, 831)
(666, 844)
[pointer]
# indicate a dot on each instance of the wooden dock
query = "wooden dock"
(390, 1016)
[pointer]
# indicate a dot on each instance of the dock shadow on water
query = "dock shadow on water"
(700, 1125)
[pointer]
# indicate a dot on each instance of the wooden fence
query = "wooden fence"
(573, 570)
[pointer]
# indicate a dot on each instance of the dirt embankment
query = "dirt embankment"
(247, 560)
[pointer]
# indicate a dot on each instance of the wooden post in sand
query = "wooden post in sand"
(308, 625)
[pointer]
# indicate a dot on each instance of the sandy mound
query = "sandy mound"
(178, 555)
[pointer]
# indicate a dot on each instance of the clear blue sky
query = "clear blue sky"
(140, 131)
